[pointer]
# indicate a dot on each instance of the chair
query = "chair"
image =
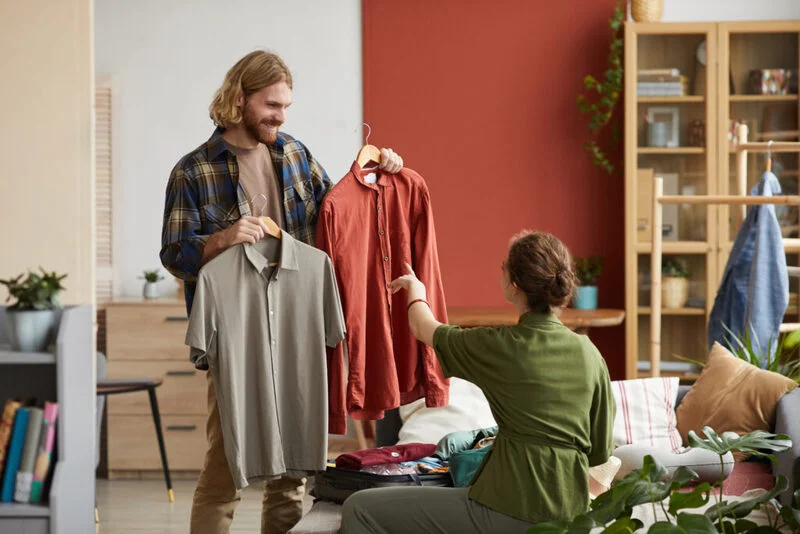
(106, 386)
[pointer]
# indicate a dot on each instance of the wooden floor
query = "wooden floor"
(141, 506)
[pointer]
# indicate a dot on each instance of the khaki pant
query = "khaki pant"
(216, 497)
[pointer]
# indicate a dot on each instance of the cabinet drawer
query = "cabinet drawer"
(184, 391)
(132, 442)
(146, 333)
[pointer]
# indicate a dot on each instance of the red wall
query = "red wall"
(478, 96)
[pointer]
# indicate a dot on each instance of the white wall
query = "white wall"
(729, 10)
(167, 57)
(46, 183)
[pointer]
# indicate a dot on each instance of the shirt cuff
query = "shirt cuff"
(337, 424)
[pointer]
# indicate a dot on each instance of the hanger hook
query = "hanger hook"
(369, 132)
(252, 204)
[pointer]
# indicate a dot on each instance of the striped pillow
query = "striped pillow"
(646, 412)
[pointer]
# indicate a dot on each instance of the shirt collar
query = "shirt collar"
(216, 145)
(288, 259)
(537, 318)
(359, 174)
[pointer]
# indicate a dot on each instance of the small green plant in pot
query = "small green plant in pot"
(31, 318)
(587, 270)
(675, 283)
(151, 280)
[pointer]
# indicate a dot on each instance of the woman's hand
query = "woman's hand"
(409, 282)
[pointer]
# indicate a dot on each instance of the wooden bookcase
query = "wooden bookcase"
(717, 94)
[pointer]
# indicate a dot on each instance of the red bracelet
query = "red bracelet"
(415, 301)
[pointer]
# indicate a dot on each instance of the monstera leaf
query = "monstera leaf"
(738, 510)
(755, 442)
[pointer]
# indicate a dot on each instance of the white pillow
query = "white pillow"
(646, 413)
(468, 409)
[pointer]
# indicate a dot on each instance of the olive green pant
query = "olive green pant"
(423, 511)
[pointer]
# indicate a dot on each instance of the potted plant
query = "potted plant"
(31, 318)
(151, 280)
(587, 270)
(674, 283)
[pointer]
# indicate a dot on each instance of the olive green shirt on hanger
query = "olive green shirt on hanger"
(550, 394)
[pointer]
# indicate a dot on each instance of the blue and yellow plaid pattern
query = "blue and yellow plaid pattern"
(204, 196)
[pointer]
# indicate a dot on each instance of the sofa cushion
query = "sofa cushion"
(646, 412)
(731, 395)
(703, 462)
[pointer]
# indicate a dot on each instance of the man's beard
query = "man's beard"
(259, 130)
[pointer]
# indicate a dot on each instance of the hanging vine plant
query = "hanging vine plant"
(600, 98)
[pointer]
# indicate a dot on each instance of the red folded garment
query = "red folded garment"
(384, 455)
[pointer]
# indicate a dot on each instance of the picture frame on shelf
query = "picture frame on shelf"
(669, 115)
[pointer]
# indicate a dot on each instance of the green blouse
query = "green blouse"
(550, 394)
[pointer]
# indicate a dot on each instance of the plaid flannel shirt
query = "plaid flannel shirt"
(204, 196)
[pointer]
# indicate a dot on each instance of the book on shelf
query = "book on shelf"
(659, 72)
(29, 451)
(6, 424)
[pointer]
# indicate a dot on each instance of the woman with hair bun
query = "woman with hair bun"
(549, 392)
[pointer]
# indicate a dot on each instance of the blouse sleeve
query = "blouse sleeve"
(468, 353)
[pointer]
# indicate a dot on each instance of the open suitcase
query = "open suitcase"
(336, 485)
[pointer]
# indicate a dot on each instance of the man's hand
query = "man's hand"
(390, 161)
(246, 230)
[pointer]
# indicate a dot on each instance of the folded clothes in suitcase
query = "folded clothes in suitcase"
(336, 485)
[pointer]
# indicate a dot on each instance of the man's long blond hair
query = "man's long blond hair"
(249, 75)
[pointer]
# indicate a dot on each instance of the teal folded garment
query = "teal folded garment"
(464, 464)
(460, 441)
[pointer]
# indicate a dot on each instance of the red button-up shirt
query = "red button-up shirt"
(370, 231)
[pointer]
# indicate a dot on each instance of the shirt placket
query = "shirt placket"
(383, 238)
(272, 335)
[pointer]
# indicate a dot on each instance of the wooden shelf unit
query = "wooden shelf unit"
(732, 51)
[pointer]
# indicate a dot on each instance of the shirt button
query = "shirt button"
(382, 232)
(379, 208)
(386, 258)
(271, 312)
(274, 341)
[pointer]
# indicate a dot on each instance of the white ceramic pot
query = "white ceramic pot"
(674, 292)
(29, 330)
(150, 290)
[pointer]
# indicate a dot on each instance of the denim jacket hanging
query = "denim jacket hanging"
(754, 291)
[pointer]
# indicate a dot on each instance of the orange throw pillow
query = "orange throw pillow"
(731, 395)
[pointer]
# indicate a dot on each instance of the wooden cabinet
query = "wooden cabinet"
(695, 79)
(146, 339)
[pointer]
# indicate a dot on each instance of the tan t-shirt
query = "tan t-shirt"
(257, 176)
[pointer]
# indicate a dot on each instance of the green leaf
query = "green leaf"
(791, 517)
(664, 527)
(623, 525)
(738, 510)
(695, 499)
(696, 524)
(792, 339)
(743, 525)
(754, 442)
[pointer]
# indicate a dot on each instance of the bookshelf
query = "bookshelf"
(704, 70)
(65, 375)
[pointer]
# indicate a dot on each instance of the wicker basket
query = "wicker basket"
(647, 10)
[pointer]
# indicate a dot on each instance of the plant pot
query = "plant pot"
(647, 10)
(150, 290)
(29, 330)
(585, 298)
(674, 292)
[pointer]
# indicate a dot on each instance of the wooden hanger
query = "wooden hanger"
(769, 156)
(272, 227)
(368, 153)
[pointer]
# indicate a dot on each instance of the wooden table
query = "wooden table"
(578, 320)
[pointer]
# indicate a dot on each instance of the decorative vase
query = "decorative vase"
(150, 290)
(647, 10)
(29, 330)
(674, 292)
(585, 298)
